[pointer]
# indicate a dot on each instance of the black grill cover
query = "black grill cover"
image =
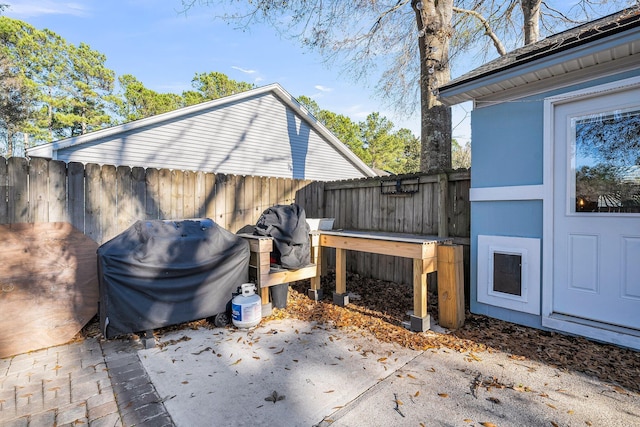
(287, 224)
(160, 273)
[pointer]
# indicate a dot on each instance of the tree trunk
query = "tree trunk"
(434, 31)
(531, 14)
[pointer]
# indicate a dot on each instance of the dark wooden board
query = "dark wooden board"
(48, 285)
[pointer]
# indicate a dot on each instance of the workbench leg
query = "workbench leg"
(450, 286)
(267, 307)
(420, 320)
(340, 296)
(315, 293)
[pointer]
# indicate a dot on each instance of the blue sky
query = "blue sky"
(164, 48)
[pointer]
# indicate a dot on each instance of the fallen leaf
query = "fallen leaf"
(554, 424)
(399, 402)
(571, 412)
(185, 382)
(588, 423)
(256, 357)
(329, 391)
(274, 397)
(417, 394)
(619, 390)
(236, 362)
(474, 357)
(467, 420)
(494, 400)
(411, 376)
(337, 407)
(443, 395)
(551, 406)
(278, 352)
(382, 359)
(488, 424)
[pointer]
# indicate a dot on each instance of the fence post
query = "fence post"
(443, 210)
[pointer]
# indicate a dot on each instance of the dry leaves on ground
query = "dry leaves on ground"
(381, 307)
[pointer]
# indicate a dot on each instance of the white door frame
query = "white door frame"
(550, 319)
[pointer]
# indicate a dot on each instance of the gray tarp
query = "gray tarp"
(160, 273)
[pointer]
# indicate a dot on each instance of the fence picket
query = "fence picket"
(4, 188)
(152, 193)
(39, 190)
(108, 193)
(18, 195)
(58, 210)
(164, 194)
(124, 199)
(189, 194)
(93, 207)
(138, 194)
(76, 194)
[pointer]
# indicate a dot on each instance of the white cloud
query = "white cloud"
(244, 70)
(323, 88)
(45, 7)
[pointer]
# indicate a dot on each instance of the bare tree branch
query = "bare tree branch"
(487, 27)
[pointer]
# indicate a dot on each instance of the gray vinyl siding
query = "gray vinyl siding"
(258, 136)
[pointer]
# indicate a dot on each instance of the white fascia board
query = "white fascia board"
(464, 92)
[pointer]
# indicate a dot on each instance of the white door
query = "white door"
(596, 218)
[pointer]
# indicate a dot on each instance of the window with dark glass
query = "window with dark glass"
(507, 273)
(606, 162)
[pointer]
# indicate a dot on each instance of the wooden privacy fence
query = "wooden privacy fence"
(436, 204)
(102, 201)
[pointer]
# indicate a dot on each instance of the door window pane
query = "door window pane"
(606, 162)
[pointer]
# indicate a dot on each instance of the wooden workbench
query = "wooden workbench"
(266, 275)
(427, 252)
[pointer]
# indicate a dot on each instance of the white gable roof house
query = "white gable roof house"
(555, 182)
(260, 132)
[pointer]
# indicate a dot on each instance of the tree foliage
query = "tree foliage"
(68, 86)
(138, 102)
(373, 140)
(14, 103)
(460, 155)
(213, 85)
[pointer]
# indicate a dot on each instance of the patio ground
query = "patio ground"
(314, 363)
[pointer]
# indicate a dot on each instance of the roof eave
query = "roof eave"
(467, 89)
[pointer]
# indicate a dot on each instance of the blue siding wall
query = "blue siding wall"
(507, 145)
(518, 219)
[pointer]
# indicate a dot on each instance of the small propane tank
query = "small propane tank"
(246, 308)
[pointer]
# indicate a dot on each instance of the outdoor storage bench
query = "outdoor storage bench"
(266, 274)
